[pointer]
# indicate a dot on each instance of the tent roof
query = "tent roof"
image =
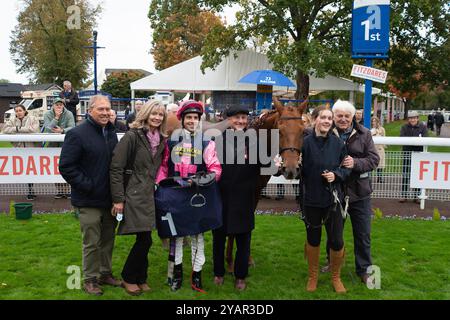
(187, 76)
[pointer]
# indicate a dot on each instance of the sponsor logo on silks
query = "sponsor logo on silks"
(186, 151)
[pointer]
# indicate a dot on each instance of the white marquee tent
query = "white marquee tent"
(187, 77)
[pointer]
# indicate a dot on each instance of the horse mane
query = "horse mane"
(259, 122)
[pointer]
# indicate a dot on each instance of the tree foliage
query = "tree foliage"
(43, 46)
(304, 37)
(118, 83)
(179, 30)
(418, 59)
(313, 37)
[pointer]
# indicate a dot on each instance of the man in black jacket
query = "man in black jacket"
(85, 159)
(70, 98)
(439, 121)
(414, 128)
(238, 193)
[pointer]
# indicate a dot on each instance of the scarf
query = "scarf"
(154, 140)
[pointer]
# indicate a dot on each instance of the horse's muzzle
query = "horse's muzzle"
(290, 173)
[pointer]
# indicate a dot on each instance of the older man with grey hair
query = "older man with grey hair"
(172, 108)
(84, 164)
(362, 158)
(413, 128)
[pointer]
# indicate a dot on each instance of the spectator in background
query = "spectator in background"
(84, 164)
(378, 131)
(359, 118)
(439, 121)
(127, 111)
(70, 98)
(430, 120)
(58, 120)
(119, 125)
(172, 108)
(22, 123)
(413, 128)
(132, 116)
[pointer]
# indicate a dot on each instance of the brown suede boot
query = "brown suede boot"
(336, 262)
(312, 254)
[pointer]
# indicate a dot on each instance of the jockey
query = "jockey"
(189, 155)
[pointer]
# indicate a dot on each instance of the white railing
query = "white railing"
(388, 184)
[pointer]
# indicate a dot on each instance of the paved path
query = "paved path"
(387, 206)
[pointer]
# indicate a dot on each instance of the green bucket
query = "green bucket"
(23, 210)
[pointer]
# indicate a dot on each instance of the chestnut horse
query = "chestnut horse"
(289, 122)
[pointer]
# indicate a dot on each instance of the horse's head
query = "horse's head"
(290, 126)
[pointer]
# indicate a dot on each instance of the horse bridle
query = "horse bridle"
(292, 149)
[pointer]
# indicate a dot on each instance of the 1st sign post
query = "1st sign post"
(370, 39)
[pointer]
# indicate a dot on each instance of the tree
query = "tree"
(118, 83)
(4, 81)
(179, 30)
(418, 58)
(304, 37)
(48, 45)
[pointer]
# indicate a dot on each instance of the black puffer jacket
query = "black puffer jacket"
(85, 159)
(319, 154)
(361, 148)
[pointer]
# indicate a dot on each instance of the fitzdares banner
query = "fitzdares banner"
(30, 165)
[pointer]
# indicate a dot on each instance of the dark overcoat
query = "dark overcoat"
(238, 188)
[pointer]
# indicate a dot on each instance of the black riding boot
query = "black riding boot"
(196, 281)
(177, 279)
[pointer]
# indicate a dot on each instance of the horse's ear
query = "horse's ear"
(303, 105)
(278, 104)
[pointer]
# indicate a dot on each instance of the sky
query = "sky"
(123, 29)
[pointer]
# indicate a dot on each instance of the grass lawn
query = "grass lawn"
(413, 257)
(5, 144)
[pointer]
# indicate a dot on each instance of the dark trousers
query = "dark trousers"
(334, 226)
(135, 268)
(242, 253)
(406, 176)
(30, 189)
(360, 216)
(438, 130)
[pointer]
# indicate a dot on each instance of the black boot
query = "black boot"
(177, 279)
(196, 281)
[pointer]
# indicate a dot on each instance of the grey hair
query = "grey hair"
(67, 82)
(93, 100)
(172, 106)
(343, 105)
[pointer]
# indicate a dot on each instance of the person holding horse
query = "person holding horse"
(239, 198)
(323, 177)
(183, 159)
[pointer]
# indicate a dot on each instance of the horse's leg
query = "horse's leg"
(229, 254)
